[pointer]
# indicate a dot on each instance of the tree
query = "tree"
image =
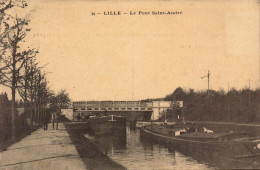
(63, 99)
(13, 59)
(178, 94)
(6, 5)
(60, 101)
(34, 90)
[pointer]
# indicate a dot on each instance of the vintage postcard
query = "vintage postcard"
(129, 84)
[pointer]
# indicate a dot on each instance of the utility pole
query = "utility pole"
(208, 76)
(228, 103)
(249, 99)
(249, 91)
(249, 83)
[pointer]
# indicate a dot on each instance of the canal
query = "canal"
(133, 152)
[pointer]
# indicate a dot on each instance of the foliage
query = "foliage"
(60, 101)
(234, 106)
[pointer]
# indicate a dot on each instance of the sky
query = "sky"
(137, 57)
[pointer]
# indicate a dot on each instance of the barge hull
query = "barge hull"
(220, 154)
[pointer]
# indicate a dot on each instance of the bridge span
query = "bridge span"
(151, 109)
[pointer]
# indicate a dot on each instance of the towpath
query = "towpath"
(51, 149)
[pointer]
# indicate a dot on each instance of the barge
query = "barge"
(107, 125)
(225, 150)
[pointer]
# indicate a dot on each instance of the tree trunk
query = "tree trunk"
(13, 114)
(31, 91)
(35, 114)
(25, 90)
(13, 90)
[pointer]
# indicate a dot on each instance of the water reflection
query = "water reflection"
(134, 152)
(191, 158)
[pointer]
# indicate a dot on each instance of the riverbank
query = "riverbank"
(89, 153)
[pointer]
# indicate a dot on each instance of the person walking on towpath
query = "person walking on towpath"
(54, 119)
(45, 121)
(57, 120)
(78, 118)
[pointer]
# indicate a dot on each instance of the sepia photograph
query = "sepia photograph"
(129, 84)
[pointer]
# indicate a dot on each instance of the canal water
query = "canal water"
(133, 152)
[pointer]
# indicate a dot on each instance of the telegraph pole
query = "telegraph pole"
(228, 103)
(208, 82)
(208, 76)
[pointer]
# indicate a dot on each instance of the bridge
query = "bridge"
(144, 108)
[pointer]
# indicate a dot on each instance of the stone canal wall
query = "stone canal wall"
(88, 152)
